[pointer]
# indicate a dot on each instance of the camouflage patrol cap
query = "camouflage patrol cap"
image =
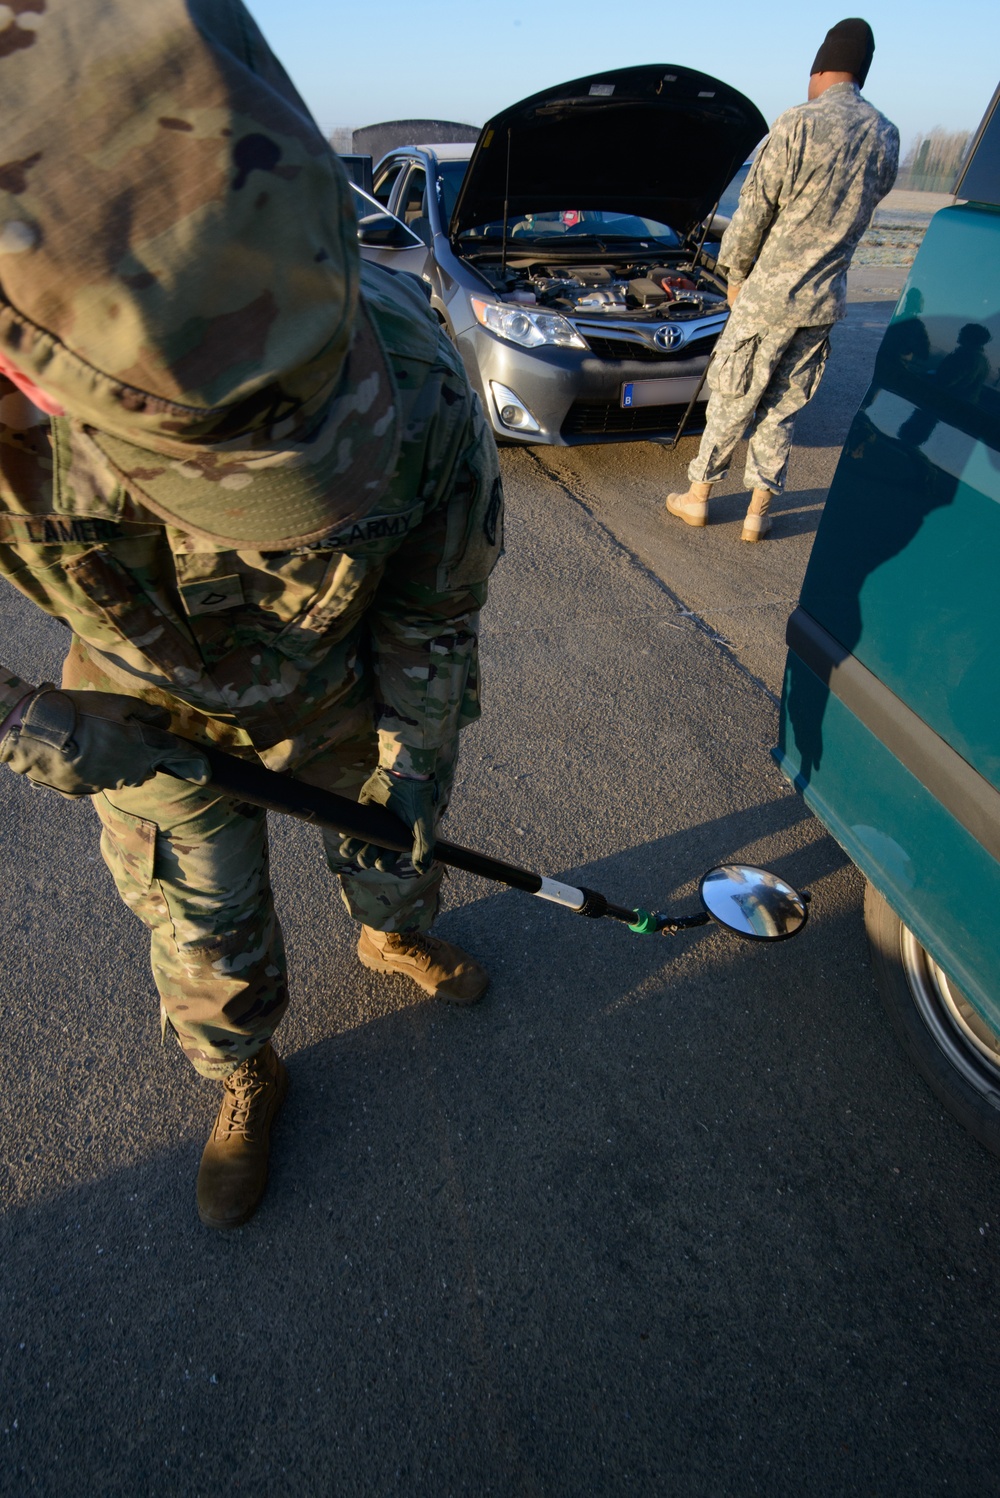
(179, 267)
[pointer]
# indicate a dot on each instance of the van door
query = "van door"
(890, 719)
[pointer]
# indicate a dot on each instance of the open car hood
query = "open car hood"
(659, 141)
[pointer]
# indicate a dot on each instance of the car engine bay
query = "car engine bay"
(680, 291)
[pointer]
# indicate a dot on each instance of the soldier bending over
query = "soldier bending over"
(250, 475)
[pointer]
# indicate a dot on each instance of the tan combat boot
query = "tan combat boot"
(757, 522)
(691, 507)
(444, 971)
(233, 1170)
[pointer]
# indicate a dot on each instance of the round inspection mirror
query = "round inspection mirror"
(753, 902)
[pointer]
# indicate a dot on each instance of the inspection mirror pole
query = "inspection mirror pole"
(741, 889)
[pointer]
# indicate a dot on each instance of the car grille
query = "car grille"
(632, 349)
(608, 418)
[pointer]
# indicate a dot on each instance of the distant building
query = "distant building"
(375, 140)
(341, 139)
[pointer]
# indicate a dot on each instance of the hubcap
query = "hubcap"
(961, 1033)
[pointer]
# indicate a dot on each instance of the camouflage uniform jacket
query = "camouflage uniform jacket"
(808, 199)
(254, 650)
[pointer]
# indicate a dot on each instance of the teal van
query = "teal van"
(890, 713)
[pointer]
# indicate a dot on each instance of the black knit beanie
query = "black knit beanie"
(847, 48)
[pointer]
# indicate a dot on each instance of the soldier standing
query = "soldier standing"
(808, 199)
(249, 474)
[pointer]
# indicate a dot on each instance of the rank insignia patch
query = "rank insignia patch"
(212, 595)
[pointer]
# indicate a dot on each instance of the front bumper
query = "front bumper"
(575, 396)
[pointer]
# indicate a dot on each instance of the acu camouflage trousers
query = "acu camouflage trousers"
(193, 866)
(759, 380)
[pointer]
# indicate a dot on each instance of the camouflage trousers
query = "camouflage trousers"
(761, 381)
(194, 867)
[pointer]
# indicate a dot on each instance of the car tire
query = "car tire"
(952, 1048)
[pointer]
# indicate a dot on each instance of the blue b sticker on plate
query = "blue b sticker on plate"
(655, 392)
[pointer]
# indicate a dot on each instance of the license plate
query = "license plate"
(651, 393)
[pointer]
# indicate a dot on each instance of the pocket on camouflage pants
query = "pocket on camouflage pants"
(128, 847)
(731, 372)
(193, 866)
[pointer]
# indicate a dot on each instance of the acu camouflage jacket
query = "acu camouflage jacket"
(808, 199)
(256, 651)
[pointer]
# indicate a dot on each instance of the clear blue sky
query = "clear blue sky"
(358, 63)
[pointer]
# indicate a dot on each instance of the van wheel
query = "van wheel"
(953, 1049)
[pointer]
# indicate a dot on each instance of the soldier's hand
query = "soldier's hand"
(79, 743)
(413, 802)
(732, 292)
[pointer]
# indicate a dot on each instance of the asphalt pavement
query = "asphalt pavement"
(661, 1216)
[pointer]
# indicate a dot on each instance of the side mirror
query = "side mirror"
(753, 902)
(382, 231)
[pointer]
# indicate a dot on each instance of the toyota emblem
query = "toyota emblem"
(668, 336)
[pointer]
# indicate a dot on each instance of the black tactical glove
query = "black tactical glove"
(79, 743)
(413, 802)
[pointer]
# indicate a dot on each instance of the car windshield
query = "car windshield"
(603, 225)
(600, 224)
(450, 175)
(731, 197)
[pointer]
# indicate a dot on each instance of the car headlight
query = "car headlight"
(525, 326)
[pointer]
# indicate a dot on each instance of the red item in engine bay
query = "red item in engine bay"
(674, 284)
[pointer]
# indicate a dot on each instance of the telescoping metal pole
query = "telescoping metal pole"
(373, 824)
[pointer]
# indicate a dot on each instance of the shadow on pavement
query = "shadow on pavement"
(573, 1241)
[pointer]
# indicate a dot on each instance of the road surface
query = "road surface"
(661, 1216)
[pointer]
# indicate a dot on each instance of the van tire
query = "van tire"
(935, 1024)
